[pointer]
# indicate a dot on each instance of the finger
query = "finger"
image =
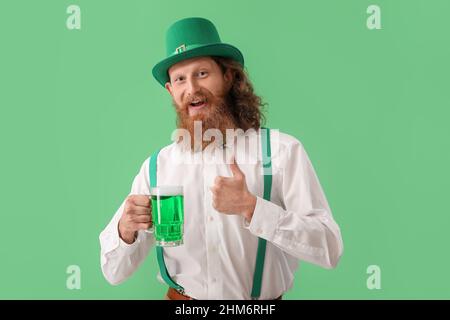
(143, 226)
(213, 189)
(221, 181)
(136, 210)
(235, 168)
(143, 218)
(141, 200)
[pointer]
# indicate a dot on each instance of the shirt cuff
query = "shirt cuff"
(116, 245)
(127, 246)
(264, 222)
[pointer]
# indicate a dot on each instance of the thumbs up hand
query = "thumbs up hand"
(231, 196)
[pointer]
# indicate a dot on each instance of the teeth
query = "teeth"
(197, 103)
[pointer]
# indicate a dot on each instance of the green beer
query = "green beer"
(168, 215)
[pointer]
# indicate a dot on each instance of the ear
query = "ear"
(168, 87)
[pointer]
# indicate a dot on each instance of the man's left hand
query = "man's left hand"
(230, 194)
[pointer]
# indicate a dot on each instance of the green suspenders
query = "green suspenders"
(159, 250)
(261, 251)
(267, 171)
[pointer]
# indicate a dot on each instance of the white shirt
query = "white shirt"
(217, 259)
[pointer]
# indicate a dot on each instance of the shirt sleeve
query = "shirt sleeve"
(118, 259)
(303, 226)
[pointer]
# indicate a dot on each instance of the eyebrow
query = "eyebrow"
(203, 66)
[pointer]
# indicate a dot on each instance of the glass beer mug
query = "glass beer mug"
(167, 215)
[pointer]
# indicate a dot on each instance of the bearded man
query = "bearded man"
(249, 219)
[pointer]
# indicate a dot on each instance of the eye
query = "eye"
(179, 78)
(202, 74)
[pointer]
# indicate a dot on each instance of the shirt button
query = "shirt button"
(210, 218)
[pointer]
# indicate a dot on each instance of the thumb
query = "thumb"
(235, 168)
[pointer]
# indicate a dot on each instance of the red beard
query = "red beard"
(216, 115)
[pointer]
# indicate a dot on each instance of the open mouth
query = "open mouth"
(197, 104)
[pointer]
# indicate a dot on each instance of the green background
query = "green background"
(80, 112)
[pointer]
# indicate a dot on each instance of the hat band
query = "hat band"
(183, 47)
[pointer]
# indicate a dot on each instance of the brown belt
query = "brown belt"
(173, 294)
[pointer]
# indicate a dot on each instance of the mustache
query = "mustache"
(203, 96)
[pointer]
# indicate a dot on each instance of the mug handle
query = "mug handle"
(150, 230)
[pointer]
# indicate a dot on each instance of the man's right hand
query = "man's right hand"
(137, 215)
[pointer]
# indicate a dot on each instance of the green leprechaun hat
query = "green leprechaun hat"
(189, 38)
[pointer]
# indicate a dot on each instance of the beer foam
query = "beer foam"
(167, 191)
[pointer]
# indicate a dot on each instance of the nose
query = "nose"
(192, 86)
